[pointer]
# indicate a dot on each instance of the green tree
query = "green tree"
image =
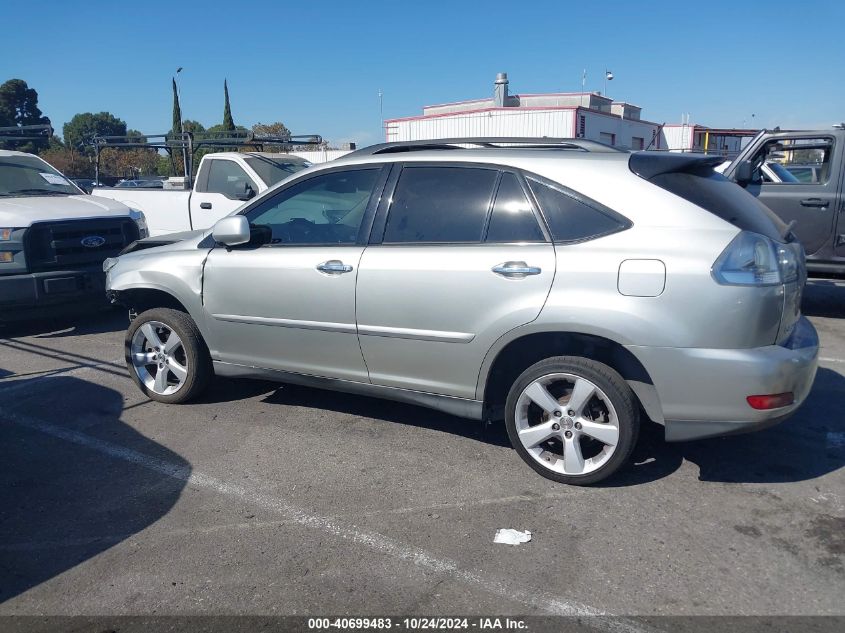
(19, 106)
(277, 129)
(195, 127)
(83, 127)
(228, 122)
(176, 128)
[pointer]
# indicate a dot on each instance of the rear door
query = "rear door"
(222, 186)
(813, 206)
(458, 257)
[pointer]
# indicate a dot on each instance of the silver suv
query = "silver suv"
(566, 287)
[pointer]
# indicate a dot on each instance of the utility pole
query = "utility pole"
(381, 111)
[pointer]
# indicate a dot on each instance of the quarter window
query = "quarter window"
(440, 204)
(326, 209)
(512, 219)
(570, 218)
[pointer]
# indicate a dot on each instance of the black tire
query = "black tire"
(609, 381)
(196, 353)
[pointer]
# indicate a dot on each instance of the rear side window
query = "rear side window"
(512, 219)
(723, 198)
(572, 218)
(440, 204)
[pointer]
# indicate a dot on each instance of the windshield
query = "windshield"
(31, 176)
(273, 170)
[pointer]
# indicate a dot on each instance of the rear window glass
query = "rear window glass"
(723, 198)
(571, 218)
(440, 204)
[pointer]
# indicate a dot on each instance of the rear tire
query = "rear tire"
(572, 419)
(167, 356)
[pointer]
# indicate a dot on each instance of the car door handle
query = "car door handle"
(334, 267)
(814, 202)
(515, 270)
(205, 205)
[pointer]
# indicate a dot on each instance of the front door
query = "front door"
(810, 202)
(222, 186)
(462, 259)
(290, 304)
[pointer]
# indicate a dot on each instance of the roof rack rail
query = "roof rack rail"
(188, 143)
(41, 132)
(578, 144)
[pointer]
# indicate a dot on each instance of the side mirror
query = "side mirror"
(231, 230)
(744, 173)
(248, 193)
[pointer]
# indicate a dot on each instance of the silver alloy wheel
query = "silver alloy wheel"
(158, 358)
(557, 430)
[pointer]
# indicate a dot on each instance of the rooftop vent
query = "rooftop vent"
(500, 90)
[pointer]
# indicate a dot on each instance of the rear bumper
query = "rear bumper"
(24, 294)
(703, 392)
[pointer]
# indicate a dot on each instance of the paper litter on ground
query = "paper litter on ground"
(511, 537)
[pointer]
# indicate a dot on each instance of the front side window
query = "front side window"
(795, 161)
(440, 204)
(326, 209)
(228, 178)
(512, 219)
(571, 218)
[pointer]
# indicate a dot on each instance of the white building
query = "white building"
(587, 115)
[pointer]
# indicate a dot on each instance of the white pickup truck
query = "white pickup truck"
(54, 238)
(225, 180)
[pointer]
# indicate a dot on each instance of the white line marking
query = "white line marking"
(823, 359)
(536, 599)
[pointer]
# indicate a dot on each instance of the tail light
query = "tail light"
(755, 260)
(771, 401)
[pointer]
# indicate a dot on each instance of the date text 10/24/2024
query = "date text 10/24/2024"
(417, 623)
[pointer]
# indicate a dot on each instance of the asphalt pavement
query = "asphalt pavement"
(270, 499)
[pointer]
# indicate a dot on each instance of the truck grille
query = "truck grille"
(76, 243)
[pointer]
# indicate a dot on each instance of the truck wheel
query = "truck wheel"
(573, 420)
(166, 356)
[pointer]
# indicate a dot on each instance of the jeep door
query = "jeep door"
(811, 205)
(458, 257)
(290, 304)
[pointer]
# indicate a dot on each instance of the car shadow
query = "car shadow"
(824, 298)
(61, 324)
(808, 445)
(388, 411)
(63, 497)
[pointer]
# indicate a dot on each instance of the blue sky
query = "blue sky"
(318, 66)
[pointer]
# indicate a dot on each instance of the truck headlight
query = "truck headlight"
(141, 221)
(6, 234)
(109, 263)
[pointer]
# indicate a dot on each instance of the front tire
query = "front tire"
(573, 420)
(167, 356)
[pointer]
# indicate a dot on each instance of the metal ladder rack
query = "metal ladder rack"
(188, 144)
